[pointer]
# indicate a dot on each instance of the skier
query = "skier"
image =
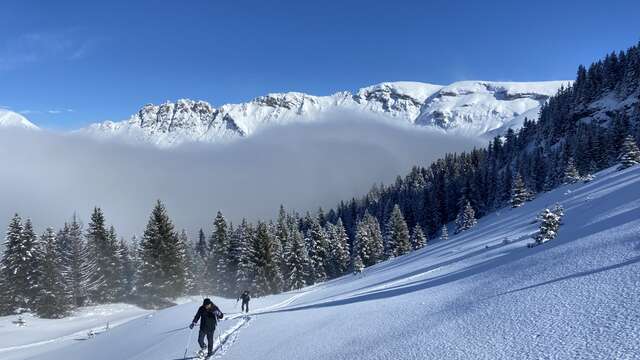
(208, 314)
(245, 300)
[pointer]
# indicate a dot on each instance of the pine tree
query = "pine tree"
(99, 259)
(115, 277)
(444, 233)
(162, 268)
(73, 253)
(519, 192)
(244, 273)
(318, 251)
(629, 154)
(219, 245)
(202, 248)
(399, 242)
(267, 276)
(188, 260)
(53, 299)
(550, 221)
(571, 175)
(340, 246)
(358, 266)
(30, 268)
(418, 238)
(466, 219)
(128, 270)
(17, 266)
(297, 262)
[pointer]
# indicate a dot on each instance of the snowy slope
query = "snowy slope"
(473, 107)
(12, 119)
(480, 295)
(480, 107)
(39, 334)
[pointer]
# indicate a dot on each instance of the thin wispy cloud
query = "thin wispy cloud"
(50, 111)
(39, 47)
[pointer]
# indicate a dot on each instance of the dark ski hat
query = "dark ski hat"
(206, 302)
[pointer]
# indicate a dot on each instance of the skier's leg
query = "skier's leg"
(210, 342)
(201, 335)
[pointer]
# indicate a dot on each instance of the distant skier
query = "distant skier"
(245, 300)
(208, 314)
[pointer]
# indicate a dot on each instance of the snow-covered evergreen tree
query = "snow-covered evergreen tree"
(53, 299)
(629, 153)
(19, 265)
(444, 233)
(162, 269)
(297, 262)
(550, 221)
(466, 218)
(340, 247)
(128, 270)
(244, 273)
(358, 266)
(519, 192)
(318, 251)
(218, 267)
(100, 259)
(571, 174)
(73, 257)
(418, 238)
(399, 242)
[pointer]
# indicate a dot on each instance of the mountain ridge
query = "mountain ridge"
(475, 108)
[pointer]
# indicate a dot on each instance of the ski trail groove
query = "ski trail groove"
(228, 338)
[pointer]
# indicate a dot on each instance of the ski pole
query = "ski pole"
(186, 350)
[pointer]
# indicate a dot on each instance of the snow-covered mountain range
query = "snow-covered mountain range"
(475, 108)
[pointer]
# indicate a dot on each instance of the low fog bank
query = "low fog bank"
(49, 176)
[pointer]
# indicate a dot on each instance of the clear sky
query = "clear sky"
(65, 64)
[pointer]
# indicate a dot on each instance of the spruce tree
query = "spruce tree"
(245, 271)
(399, 242)
(99, 259)
(444, 233)
(466, 218)
(550, 220)
(16, 268)
(162, 268)
(418, 238)
(629, 153)
(128, 270)
(571, 175)
(53, 299)
(358, 266)
(188, 259)
(297, 262)
(31, 265)
(340, 247)
(519, 192)
(74, 258)
(219, 244)
(318, 251)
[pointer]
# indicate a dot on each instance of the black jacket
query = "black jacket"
(208, 318)
(245, 297)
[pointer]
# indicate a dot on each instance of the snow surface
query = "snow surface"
(471, 107)
(40, 335)
(11, 119)
(481, 294)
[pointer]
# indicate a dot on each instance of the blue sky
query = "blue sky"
(69, 63)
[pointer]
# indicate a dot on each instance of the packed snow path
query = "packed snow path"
(480, 295)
